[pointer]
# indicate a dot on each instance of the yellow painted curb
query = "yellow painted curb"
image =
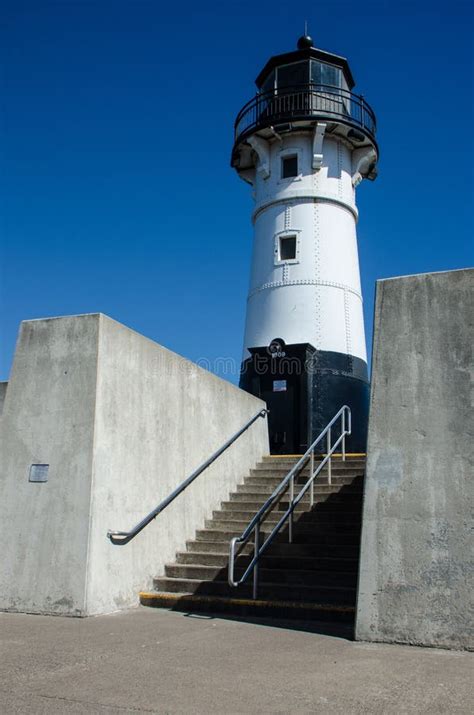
(176, 598)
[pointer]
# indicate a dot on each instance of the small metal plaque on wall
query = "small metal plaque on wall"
(39, 473)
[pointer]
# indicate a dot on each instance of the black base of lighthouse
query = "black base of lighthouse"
(304, 388)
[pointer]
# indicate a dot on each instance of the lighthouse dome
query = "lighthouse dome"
(304, 42)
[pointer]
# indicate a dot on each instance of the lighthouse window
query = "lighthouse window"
(287, 248)
(323, 74)
(291, 75)
(289, 166)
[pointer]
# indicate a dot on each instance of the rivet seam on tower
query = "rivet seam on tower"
(339, 169)
(328, 198)
(317, 272)
(305, 282)
(347, 320)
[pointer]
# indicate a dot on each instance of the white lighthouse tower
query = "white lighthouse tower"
(304, 143)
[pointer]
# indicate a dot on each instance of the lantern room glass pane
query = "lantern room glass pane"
(294, 74)
(324, 74)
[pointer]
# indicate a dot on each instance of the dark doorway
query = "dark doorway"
(282, 420)
(278, 376)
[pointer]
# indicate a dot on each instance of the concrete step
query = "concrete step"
(332, 503)
(284, 465)
(324, 510)
(337, 468)
(306, 563)
(293, 458)
(338, 474)
(266, 575)
(320, 495)
(282, 548)
(299, 536)
(301, 508)
(342, 595)
(302, 526)
(246, 608)
(239, 514)
(319, 488)
(214, 546)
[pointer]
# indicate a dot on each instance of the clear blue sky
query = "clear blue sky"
(116, 190)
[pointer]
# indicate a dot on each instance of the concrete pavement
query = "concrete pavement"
(153, 661)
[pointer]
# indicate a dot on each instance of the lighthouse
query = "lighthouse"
(304, 143)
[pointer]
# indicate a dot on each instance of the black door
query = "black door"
(282, 420)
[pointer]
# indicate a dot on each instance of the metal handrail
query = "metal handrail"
(305, 101)
(255, 524)
(120, 538)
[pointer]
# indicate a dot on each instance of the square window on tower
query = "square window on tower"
(289, 166)
(287, 248)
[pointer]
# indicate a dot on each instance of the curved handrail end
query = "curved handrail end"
(119, 538)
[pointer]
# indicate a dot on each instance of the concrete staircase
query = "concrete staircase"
(313, 578)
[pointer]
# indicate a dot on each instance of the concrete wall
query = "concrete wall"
(416, 571)
(3, 394)
(121, 421)
(158, 418)
(48, 418)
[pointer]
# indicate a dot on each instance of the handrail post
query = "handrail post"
(230, 571)
(328, 449)
(311, 497)
(256, 556)
(290, 521)
(344, 435)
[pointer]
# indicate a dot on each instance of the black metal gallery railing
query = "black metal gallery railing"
(301, 102)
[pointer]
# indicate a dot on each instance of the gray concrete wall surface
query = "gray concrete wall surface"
(3, 394)
(416, 568)
(158, 418)
(48, 418)
(121, 422)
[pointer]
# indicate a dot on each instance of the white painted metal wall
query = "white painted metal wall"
(317, 298)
